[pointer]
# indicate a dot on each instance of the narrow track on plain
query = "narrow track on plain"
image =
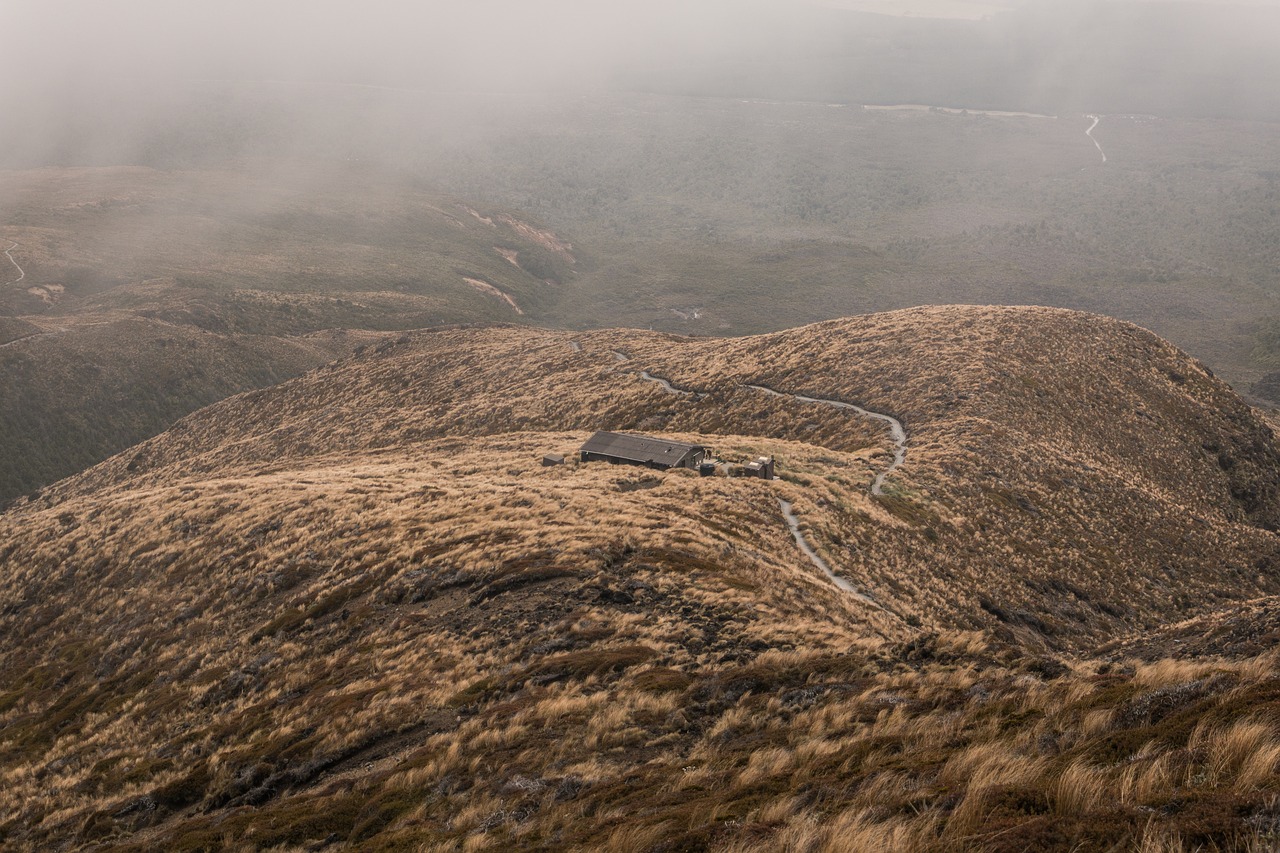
(1089, 133)
(21, 272)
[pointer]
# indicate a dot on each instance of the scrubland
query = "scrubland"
(356, 611)
(152, 293)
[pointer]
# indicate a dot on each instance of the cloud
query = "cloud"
(89, 73)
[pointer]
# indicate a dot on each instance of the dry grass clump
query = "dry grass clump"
(456, 720)
(320, 611)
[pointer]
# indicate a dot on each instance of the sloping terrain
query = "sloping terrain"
(1037, 438)
(1237, 631)
(80, 390)
(355, 609)
(695, 215)
(328, 230)
(221, 278)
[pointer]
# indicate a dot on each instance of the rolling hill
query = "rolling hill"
(355, 610)
(147, 294)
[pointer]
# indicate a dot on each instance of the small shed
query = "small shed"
(623, 449)
(762, 468)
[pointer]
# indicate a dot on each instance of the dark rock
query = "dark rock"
(614, 596)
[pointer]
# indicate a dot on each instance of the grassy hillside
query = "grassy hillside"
(76, 393)
(1081, 462)
(354, 610)
(327, 230)
(150, 294)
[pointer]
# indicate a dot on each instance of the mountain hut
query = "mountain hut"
(622, 449)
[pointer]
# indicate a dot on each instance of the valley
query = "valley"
(328, 335)
(813, 212)
(125, 272)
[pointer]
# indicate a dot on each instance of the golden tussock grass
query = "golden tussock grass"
(358, 605)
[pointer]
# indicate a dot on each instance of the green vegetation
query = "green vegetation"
(138, 314)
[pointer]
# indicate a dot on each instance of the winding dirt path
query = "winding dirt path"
(1089, 133)
(664, 384)
(21, 272)
(668, 387)
(794, 523)
(896, 430)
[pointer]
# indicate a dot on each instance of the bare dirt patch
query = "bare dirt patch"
(485, 287)
(486, 220)
(542, 236)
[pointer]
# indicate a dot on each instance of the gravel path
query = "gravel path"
(896, 431)
(794, 524)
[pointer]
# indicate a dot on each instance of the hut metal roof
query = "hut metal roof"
(637, 448)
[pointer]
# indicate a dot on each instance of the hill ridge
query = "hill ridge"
(357, 604)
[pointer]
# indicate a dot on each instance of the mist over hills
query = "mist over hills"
(694, 216)
(711, 164)
(148, 294)
(301, 302)
(1180, 59)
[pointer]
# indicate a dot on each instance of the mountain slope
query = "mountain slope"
(223, 278)
(356, 609)
(77, 392)
(1110, 487)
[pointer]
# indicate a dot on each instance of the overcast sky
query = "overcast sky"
(441, 42)
(375, 39)
(77, 67)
